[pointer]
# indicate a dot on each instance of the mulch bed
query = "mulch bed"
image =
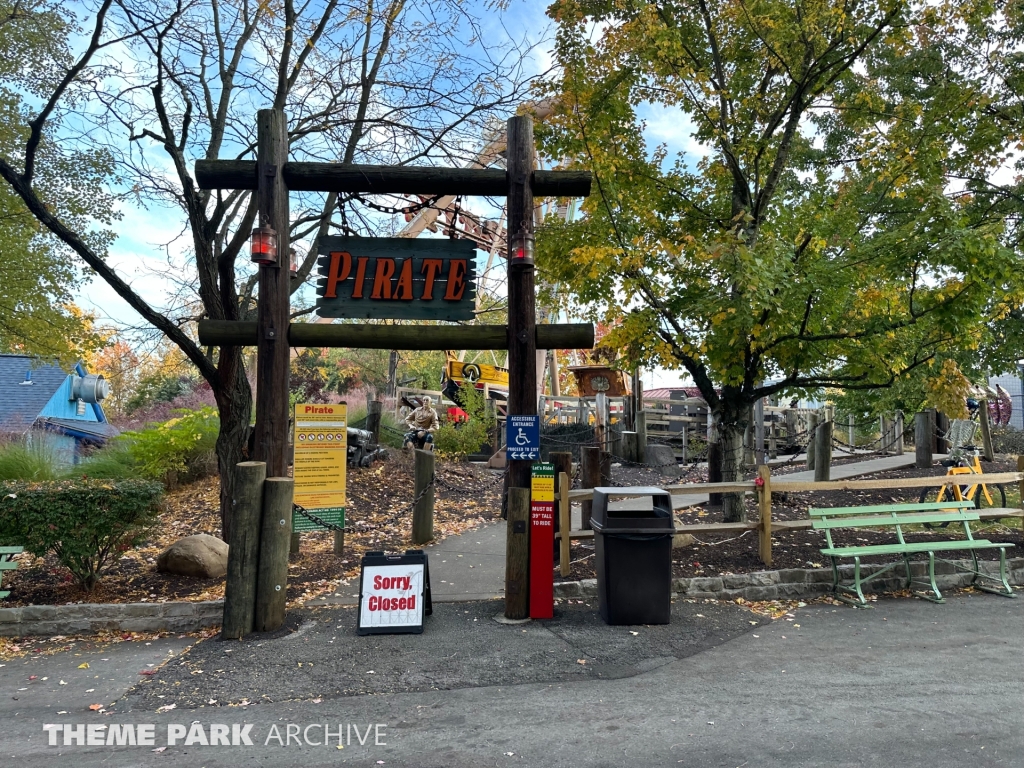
(379, 498)
(721, 554)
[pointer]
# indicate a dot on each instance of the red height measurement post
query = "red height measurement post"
(542, 541)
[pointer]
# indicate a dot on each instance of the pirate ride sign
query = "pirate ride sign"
(396, 278)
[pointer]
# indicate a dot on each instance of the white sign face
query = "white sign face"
(392, 596)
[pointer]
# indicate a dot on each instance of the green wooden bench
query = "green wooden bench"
(896, 516)
(7, 564)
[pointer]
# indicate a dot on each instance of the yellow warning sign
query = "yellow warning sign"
(321, 453)
(542, 483)
(478, 373)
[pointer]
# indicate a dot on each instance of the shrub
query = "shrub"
(83, 522)
(459, 439)
(184, 445)
(19, 461)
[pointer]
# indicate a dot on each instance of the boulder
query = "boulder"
(200, 555)
(662, 458)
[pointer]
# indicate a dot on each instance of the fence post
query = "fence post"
(640, 420)
(1020, 486)
(764, 474)
(423, 510)
(562, 462)
(773, 445)
(374, 409)
(629, 447)
(812, 431)
(272, 584)
(986, 431)
(243, 550)
(601, 420)
(922, 440)
(564, 523)
(517, 555)
(823, 451)
(590, 477)
(899, 427)
(852, 432)
(882, 448)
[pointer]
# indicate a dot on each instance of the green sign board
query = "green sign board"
(396, 278)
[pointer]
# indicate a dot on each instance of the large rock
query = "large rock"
(662, 458)
(200, 555)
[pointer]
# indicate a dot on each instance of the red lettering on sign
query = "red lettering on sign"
(456, 280)
(382, 279)
(357, 289)
(341, 265)
(403, 288)
(377, 603)
(431, 267)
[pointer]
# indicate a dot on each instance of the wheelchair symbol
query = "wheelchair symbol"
(521, 438)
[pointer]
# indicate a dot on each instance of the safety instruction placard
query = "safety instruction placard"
(542, 541)
(321, 453)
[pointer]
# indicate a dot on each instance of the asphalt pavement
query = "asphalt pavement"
(906, 683)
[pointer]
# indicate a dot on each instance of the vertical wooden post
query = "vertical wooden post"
(243, 550)
(812, 431)
(517, 555)
(629, 447)
(272, 583)
(922, 440)
(759, 432)
(823, 451)
(851, 432)
(562, 462)
(565, 522)
(898, 428)
(423, 510)
(522, 346)
(590, 477)
(773, 445)
(685, 433)
(883, 436)
(764, 502)
(986, 431)
(374, 410)
(601, 420)
(1020, 486)
(791, 427)
(296, 541)
(272, 350)
(641, 436)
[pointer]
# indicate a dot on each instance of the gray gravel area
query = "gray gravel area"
(319, 656)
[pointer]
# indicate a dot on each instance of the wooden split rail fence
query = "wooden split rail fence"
(764, 486)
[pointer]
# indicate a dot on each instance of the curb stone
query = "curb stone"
(84, 618)
(800, 583)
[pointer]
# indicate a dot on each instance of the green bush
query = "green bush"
(459, 439)
(83, 522)
(184, 446)
(34, 461)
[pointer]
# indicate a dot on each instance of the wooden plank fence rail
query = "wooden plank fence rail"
(764, 487)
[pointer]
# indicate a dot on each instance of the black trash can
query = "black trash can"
(633, 549)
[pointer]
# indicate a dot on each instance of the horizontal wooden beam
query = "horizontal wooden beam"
(390, 179)
(780, 486)
(237, 333)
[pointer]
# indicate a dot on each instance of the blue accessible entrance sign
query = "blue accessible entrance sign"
(522, 438)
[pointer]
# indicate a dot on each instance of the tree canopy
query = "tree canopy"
(817, 237)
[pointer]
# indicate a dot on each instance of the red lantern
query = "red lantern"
(263, 246)
(522, 249)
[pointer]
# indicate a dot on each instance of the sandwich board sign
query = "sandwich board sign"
(321, 453)
(394, 593)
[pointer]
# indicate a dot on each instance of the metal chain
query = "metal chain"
(367, 527)
(466, 491)
(395, 210)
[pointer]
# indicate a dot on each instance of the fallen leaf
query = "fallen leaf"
(581, 661)
(159, 749)
(147, 672)
(84, 665)
(95, 707)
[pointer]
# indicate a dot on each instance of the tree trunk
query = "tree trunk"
(733, 508)
(392, 387)
(234, 405)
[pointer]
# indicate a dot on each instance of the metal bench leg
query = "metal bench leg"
(1007, 590)
(838, 589)
(937, 597)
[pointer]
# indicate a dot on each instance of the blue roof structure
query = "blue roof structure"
(38, 394)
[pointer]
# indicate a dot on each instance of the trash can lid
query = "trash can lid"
(659, 516)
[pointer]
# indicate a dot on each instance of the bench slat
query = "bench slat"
(867, 522)
(8, 565)
(873, 510)
(914, 548)
(11, 550)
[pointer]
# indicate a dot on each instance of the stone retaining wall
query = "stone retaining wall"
(84, 618)
(802, 583)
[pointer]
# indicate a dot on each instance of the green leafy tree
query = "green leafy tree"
(814, 241)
